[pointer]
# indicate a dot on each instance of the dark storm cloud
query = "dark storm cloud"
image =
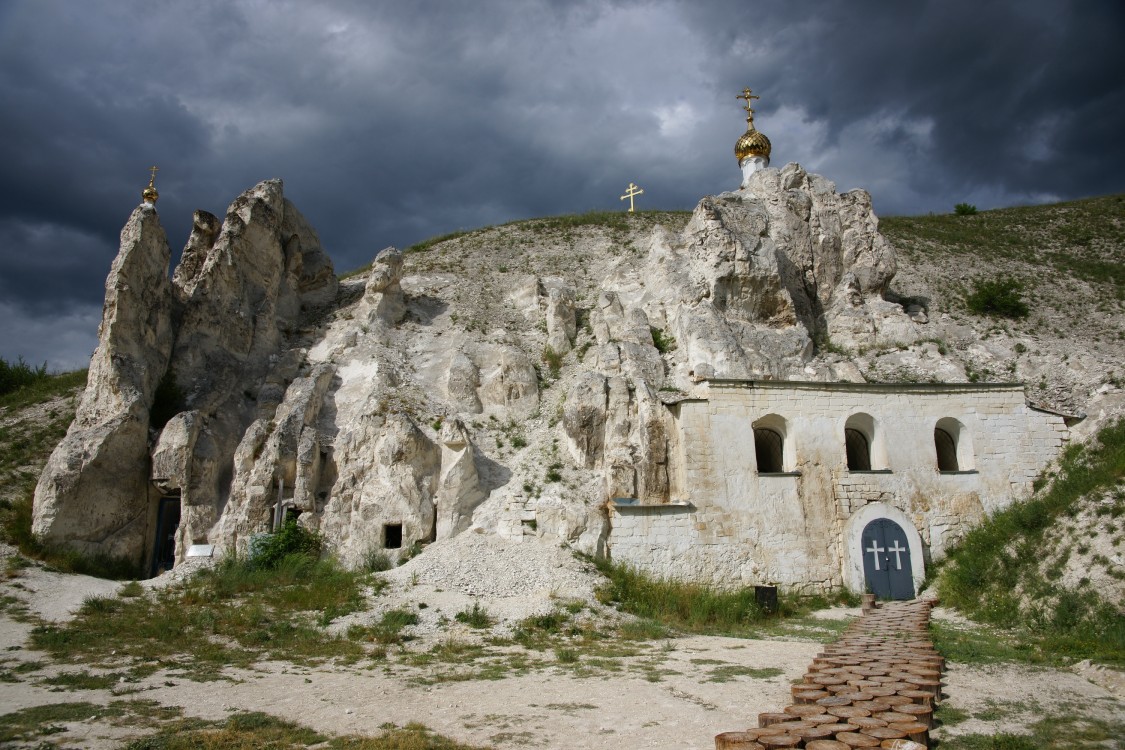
(392, 122)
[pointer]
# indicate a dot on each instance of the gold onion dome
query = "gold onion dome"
(752, 142)
(149, 194)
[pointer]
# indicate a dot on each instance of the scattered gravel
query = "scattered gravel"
(479, 564)
(509, 580)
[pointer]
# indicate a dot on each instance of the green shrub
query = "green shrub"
(476, 617)
(1000, 297)
(964, 209)
(663, 342)
(553, 360)
(376, 561)
(291, 540)
(18, 374)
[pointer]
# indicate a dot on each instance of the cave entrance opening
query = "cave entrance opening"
(164, 545)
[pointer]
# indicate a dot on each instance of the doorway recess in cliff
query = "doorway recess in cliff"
(164, 545)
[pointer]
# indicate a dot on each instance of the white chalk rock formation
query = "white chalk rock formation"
(93, 493)
(436, 393)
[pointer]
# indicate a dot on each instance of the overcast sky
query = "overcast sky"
(391, 122)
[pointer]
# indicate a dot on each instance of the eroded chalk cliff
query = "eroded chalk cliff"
(510, 381)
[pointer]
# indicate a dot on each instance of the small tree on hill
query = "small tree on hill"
(964, 209)
(1002, 297)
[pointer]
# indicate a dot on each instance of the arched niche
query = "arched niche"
(852, 564)
(864, 448)
(774, 452)
(953, 446)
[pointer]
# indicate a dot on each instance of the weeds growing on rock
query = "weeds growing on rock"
(475, 617)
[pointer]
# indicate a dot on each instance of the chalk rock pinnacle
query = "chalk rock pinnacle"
(93, 493)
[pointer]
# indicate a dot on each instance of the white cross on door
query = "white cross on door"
(898, 550)
(875, 551)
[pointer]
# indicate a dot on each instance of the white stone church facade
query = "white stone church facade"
(775, 483)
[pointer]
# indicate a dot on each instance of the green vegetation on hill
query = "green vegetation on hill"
(18, 374)
(232, 614)
(26, 440)
(1079, 238)
(996, 573)
(21, 385)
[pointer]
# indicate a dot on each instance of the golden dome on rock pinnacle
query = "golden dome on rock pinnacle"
(752, 142)
(149, 194)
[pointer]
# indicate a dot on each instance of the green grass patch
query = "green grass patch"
(388, 630)
(233, 614)
(727, 672)
(983, 573)
(83, 680)
(664, 342)
(474, 617)
(26, 725)
(692, 607)
(23, 392)
(1055, 732)
(1077, 238)
(241, 731)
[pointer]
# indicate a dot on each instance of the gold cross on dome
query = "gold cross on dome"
(630, 192)
(747, 96)
(151, 180)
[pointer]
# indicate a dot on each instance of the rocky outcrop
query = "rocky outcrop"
(388, 472)
(93, 493)
(383, 293)
(242, 291)
(560, 314)
(459, 487)
(413, 403)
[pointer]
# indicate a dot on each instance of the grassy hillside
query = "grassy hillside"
(34, 417)
(1012, 570)
(1080, 238)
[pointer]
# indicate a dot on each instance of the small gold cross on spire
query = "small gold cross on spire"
(748, 96)
(149, 194)
(632, 191)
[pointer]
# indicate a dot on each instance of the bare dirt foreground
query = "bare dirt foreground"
(674, 693)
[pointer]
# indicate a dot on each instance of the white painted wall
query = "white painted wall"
(743, 528)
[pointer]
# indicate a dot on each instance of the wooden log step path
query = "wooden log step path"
(875, 687)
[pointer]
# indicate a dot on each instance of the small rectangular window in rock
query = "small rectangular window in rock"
(392, 536)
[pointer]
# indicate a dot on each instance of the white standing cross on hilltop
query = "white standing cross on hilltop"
(630, 193)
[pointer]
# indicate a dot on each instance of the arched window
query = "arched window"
(863, 444)
(946, 450)
(859, 450)
(953, 444)
(769, 450)
(773, 448)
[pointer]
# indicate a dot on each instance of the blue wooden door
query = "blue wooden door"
(886, 560)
